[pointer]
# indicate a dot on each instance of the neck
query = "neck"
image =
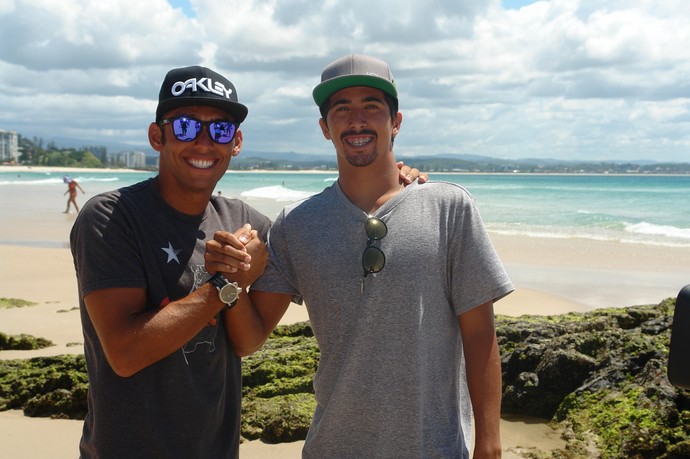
(186, 201)
(369, 187)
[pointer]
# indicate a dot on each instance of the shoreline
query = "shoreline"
(25, 168)
(42, 169)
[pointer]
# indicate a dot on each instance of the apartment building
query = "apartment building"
(9, 147)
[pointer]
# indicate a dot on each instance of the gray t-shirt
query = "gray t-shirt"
(391, 379)
(187, 404)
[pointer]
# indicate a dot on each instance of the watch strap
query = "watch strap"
(218, 280)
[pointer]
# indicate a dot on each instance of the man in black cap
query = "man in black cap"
(164, 380)
(399, 283)
(164, 371)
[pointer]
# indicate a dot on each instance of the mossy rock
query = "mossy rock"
(626, 423)
(601, 376)
(59, 403)
(283, 357)
(45, 386)
(277, 399)
(22, 342)
(296, 329)
(283, 418)
(6, 303)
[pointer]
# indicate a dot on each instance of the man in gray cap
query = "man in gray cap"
(164, 380)
(399, 283)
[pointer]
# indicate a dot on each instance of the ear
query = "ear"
(396, 123)
(324, 129)
(237, 143)
(156, 136)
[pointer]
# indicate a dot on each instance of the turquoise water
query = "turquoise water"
(645, 209)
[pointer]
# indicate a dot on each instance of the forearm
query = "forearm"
(250, 322)
(483, 367)
(245, 328)
(139, 338)
(484, 384)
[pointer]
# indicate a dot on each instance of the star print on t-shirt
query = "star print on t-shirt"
(172, 253)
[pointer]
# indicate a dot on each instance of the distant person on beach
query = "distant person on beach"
(164, 372)
(399, 283)
(72, 186)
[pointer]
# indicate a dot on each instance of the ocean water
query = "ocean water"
(644, 209)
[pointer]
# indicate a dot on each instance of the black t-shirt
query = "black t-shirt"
(188, 404)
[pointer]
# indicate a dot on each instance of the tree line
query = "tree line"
(32, 152)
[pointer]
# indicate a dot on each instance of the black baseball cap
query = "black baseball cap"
(197, 85)
(354, 70)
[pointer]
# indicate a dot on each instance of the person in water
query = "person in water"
(72, 186)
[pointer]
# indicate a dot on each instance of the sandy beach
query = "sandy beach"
(552, 276)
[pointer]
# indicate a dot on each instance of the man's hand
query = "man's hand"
(242, 254)
(408, 175)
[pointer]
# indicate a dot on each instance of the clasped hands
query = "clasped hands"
(241, 256)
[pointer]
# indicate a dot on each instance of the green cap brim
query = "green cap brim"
(324, 90)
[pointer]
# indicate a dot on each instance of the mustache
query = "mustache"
(353, 132)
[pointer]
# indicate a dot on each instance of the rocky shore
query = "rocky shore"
(599, 377)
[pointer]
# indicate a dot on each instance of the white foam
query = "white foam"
(277, 193)
(661, 238)
(658, 230)
(60, 180)
(47, 181)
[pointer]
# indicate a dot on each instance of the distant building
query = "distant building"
(130, 159)
(9, 147)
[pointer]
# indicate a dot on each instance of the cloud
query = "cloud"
(579, 79)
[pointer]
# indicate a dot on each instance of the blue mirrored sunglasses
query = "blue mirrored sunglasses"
(187, 129)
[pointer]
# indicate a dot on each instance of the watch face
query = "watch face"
(229, 293)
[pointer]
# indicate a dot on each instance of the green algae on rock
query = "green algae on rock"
(7, 303)
(601, 377)
(22, 342)
(45, 386)
(278, 396)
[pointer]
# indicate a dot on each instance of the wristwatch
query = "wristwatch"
(228, 292)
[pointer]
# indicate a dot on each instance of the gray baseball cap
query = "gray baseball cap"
(354, 70)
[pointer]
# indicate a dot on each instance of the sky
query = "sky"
(586, 80)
